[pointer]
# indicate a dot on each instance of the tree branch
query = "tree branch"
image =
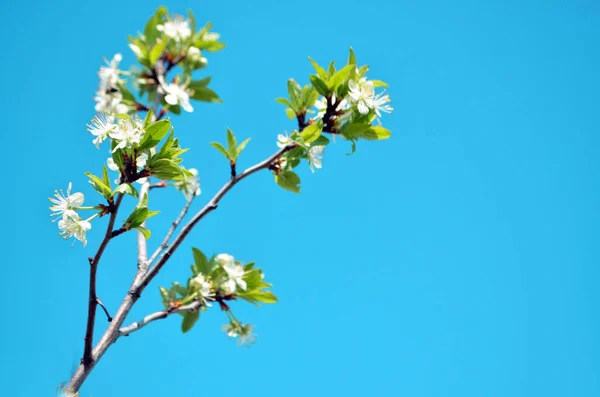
(87, 359)
(165, 243)
(159, 315)
(142, 279)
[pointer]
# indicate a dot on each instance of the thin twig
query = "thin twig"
(165, 243)
(89, 330)
(159, 315)
(99, 302)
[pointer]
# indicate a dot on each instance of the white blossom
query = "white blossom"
(315, 157)
(190, 186)
(109, 101)
(109, 76)
(203, 286)
(63, 203)
(177, 28)
(246, 335)
(111, 164)
(194, 54)
(234, 272)
(100, 126)
(283, 140)
(127, 133)
(362, 94)
(177, 94)
(381, 104)
(231, 329)
(71, 225)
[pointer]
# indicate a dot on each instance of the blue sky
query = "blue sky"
(459, 258)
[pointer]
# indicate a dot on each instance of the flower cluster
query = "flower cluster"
(70, 223)
(189, 186)
(219, 279)
(243, 332)
(108, 97)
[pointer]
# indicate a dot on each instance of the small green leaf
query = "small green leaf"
(241, 147)
(99, 185)
(157, 50)
(144, 231)
(148, 119)
(231, 145)
(319, 85)
(294, 90)
(196, 84)
(201, 263)
(351, 57)
(150, 32)
(340, 77)
(289, 112)
(320, 71)
(166, 169)
(311, 132)
(189, 319)
(137, 217)
(283, 101)
(376, 133)
(126, 188)
(379, 83)
(192, 21)
(289, 181)
(205, 94)
(105, 177)
(154, 134)
(220, 148)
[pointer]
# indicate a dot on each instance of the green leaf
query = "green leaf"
(144, 231)
(220, 148)
(331, 69)
(99, 185)
(126, 188)
(283, 101)
(379, 83)
(289, 112)
(205, 94)
(340, 77)
(196, 84)
(376, 133)
(351, 57)
(189, 319)
(157, 50)
(289, 181)
(152, 213)
(201, 263)
(231, 145)
(150, 32)
(166, 169)
(137, 217)
(294, 90)
(154, 134)
(319, 85)
(354, 130)
(311, 132)
(148, 119)
(105, 177)
(320, 71)
(241, 147)
(192, 21)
